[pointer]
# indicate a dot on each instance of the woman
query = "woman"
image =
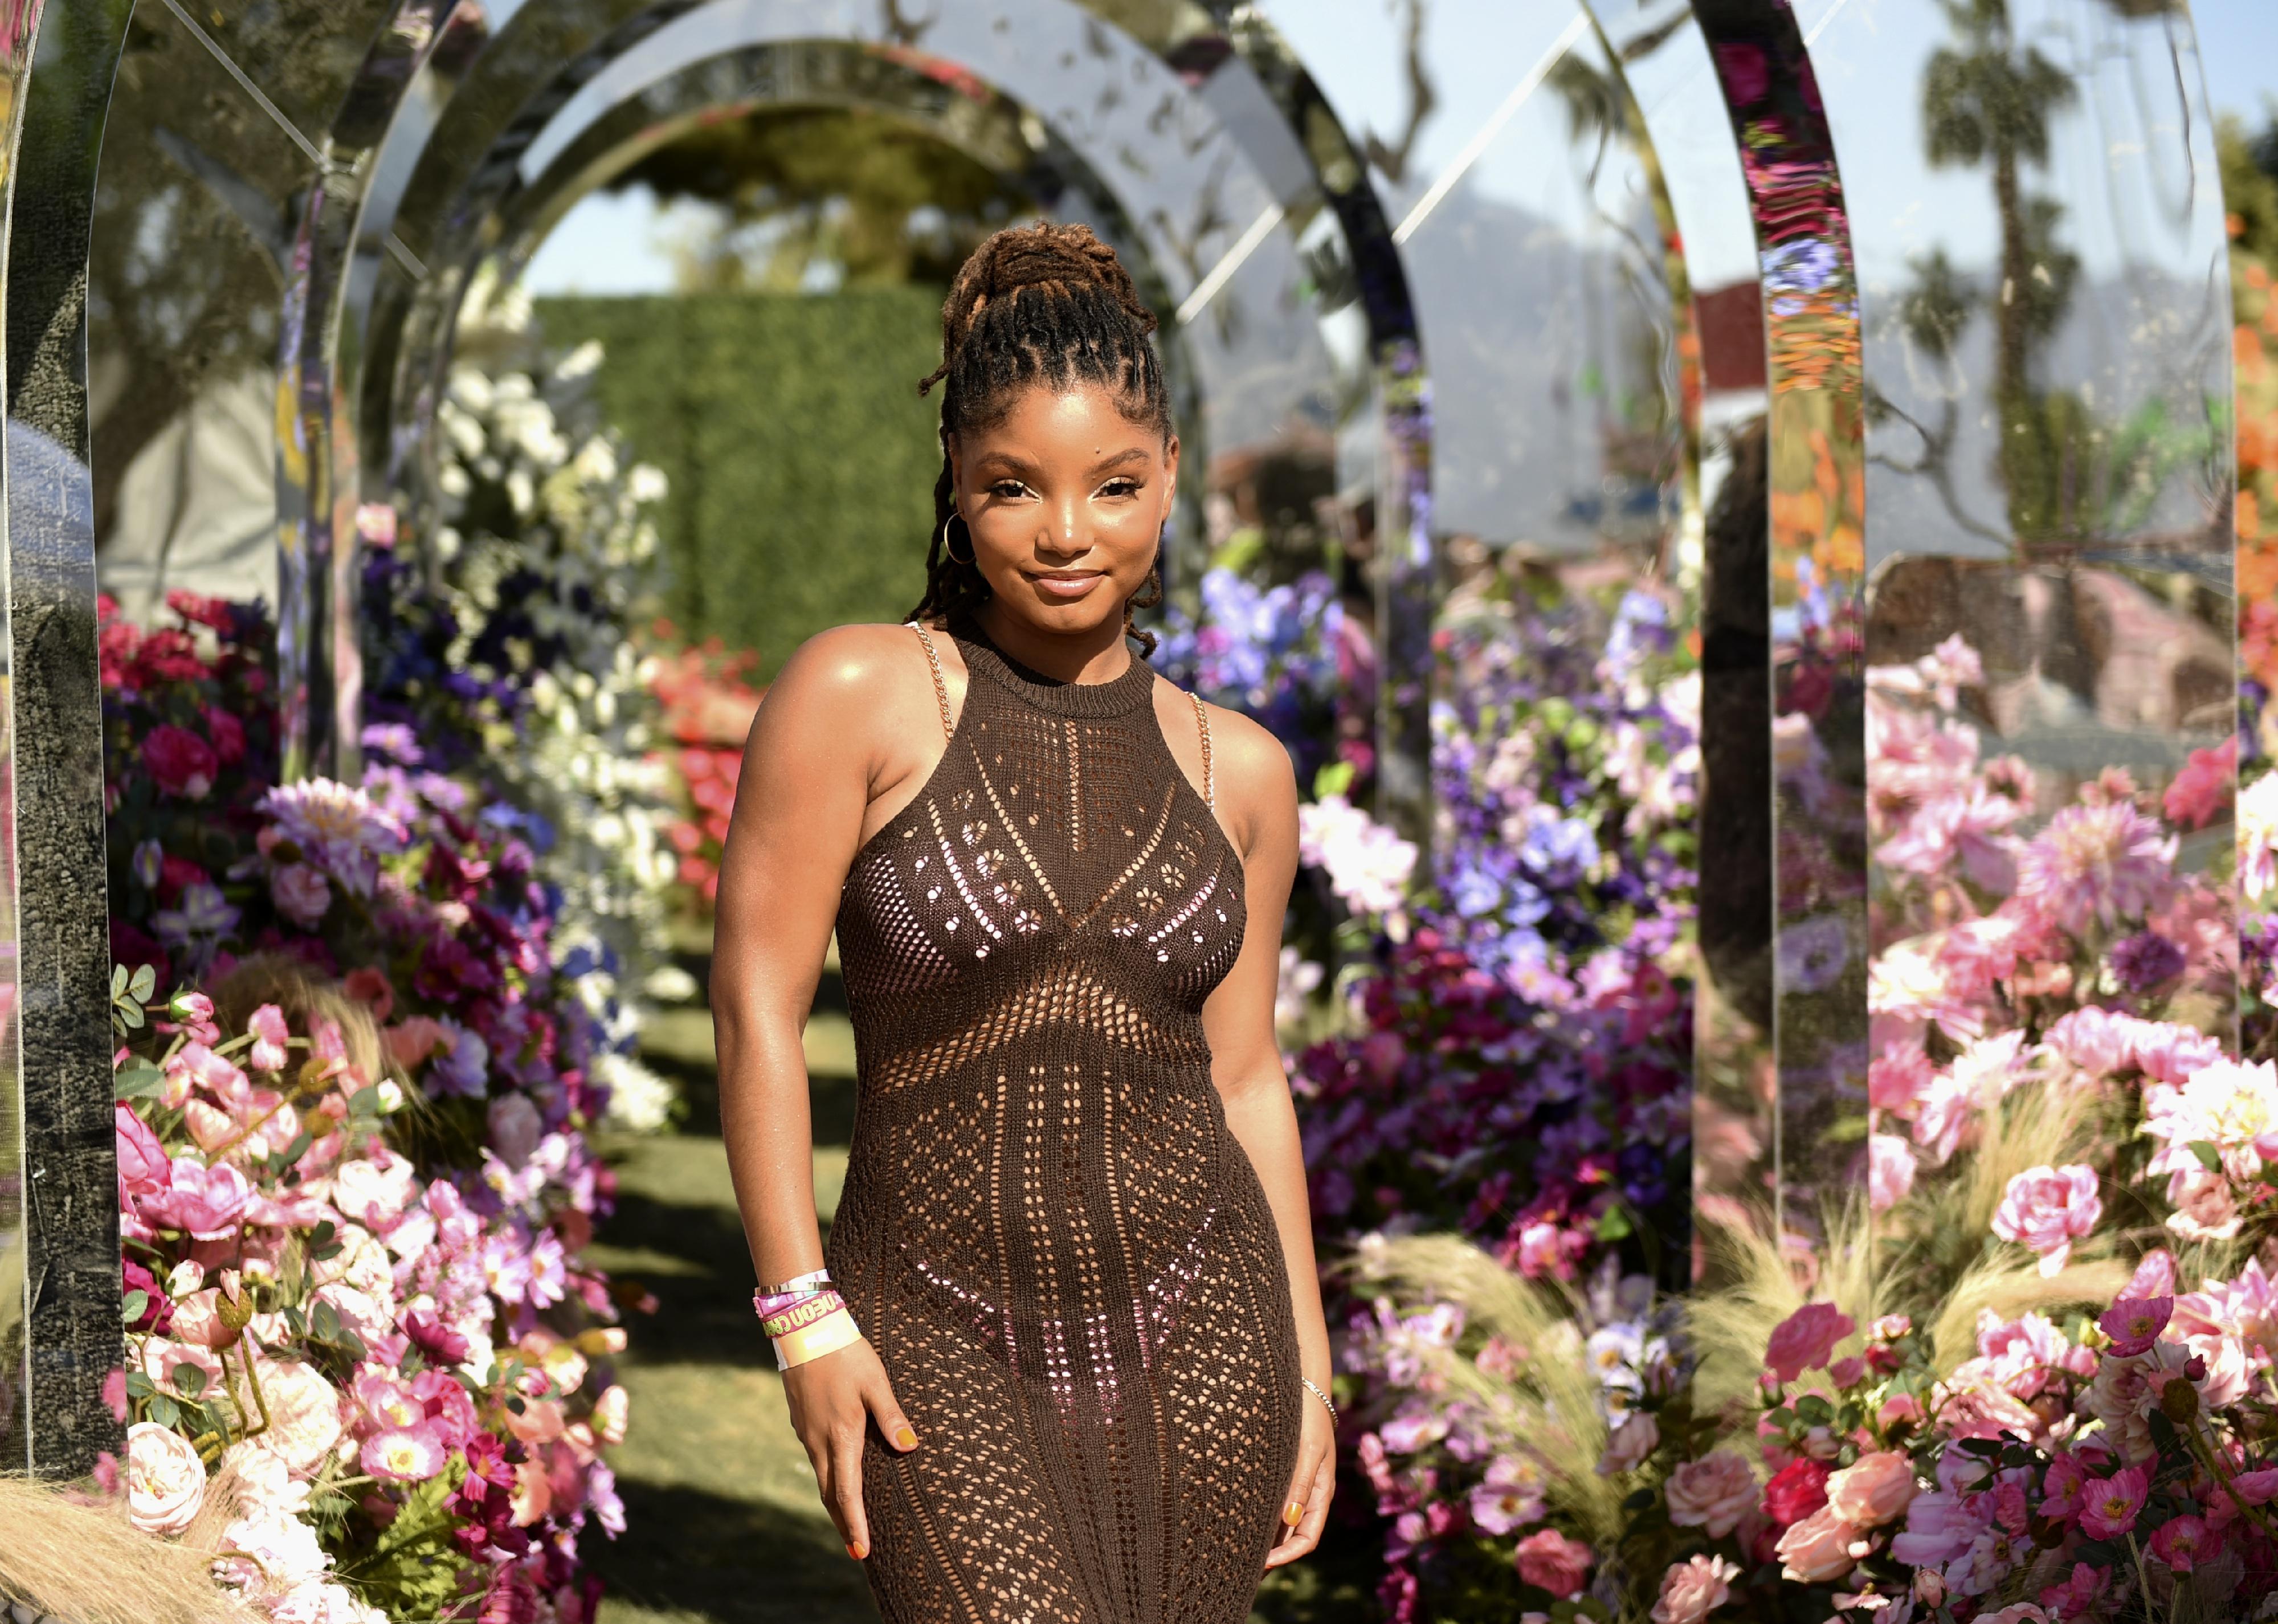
(1091, 1377)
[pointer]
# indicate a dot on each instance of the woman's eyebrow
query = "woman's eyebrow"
(1128, 454)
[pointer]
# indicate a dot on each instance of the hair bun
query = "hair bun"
(1052, 258)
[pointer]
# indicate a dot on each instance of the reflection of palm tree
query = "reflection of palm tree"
(1987, 100)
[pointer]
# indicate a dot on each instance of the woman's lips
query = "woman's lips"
(1070, 586)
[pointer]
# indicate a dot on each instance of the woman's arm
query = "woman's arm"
(1258, 798)
(836, 744)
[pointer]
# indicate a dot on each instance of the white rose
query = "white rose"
(165, 1479)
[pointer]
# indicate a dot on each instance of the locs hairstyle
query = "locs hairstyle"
(1047, 305)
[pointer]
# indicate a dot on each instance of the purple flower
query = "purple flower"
(2146, 961)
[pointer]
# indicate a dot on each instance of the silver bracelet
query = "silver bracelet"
(814, 1281)
(1323, 1396)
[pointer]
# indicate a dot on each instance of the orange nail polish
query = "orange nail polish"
(1293, 1514)
(857, 1551)
(906, 1438)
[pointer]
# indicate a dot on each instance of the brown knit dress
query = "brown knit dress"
(1060, 1252)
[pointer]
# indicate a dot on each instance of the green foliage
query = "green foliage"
(801, 457)
(2250, 184)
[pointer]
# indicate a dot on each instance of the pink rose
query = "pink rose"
(1822, 1547)
(144, 1169)
(180, 763)
(206, 1202)
(1549, 1560)
(165, 1479)
(2046, 1209)
(1690, 1592)
(301, 894)
(1712, 1493)
(269, 1037)
(1890, 1171)
(375, 1191)
(1630, 1444)
(1806, 1339)
(304, 1413)
(1877, 1489)
(412, 1039)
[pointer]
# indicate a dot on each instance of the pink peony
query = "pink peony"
(2045, 1209)
(2201, 793)
(2134, 1325)
(2097, 865)
(1890, 1171)
(1897, 1078)
(165, 1479)
(1510, 1497)
(144, 1169)
(2110, 1505)
(1690, 1590)
(207, 1203)
(1797, 1490)
(1822, 1547)
(304, 1413)
(1713, 1493)
(180, 763)
(1877, 1489)
(1807, 1339)
(1553, 1562)
(2184, 1542)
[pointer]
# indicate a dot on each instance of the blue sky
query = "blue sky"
(616, 244)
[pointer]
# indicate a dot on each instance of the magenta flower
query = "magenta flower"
(2097, 865)
(2110, 1505)
(2046, 1209)
(1807, 1339)
(2184, 1542)
(2134, 1323)
(301, 894)
(180, 763)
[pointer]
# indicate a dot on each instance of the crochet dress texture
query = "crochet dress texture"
(1059, 1249)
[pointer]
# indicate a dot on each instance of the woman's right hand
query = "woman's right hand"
(833, 1401)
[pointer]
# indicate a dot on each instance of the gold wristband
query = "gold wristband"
(825, 1335)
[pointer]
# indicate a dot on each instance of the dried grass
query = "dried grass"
(80, 1560)
(1559, 1421)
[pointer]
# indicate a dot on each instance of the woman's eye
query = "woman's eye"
(1008, 490)
(1120, 488)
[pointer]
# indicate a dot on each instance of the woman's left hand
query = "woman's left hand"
(1311, 1485)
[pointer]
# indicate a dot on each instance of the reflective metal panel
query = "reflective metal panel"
(2042, 265)
(60, 1330)
(1815, 511)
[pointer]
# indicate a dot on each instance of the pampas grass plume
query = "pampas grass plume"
(81, 1560)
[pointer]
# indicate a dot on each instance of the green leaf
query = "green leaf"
(1639, 1501)
(117, 982)
(189, 1381)
(139, 1386)
(1814, 1411)
(1613, 1224)
(137, 1079)
(145, 983)
(133, 1305)
(163, 1409)
(2209, 1158)
(1335, 778)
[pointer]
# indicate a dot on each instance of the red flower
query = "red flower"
(2202, 790)
(1796, 1490)
(368, 985)
(228, 735)
(176, 872)
(213, 612)
(182, 762)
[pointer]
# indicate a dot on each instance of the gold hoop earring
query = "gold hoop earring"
(970, 558)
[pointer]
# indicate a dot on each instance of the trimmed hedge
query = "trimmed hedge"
(801, 457)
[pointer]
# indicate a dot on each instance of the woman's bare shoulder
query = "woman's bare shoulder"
(856, 677)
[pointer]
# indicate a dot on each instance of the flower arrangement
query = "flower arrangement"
(392, 1386)
(708, 707)
(504, 653)
(425, 904)
(2032, 1377)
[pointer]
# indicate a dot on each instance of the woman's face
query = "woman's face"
(1066, 498)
